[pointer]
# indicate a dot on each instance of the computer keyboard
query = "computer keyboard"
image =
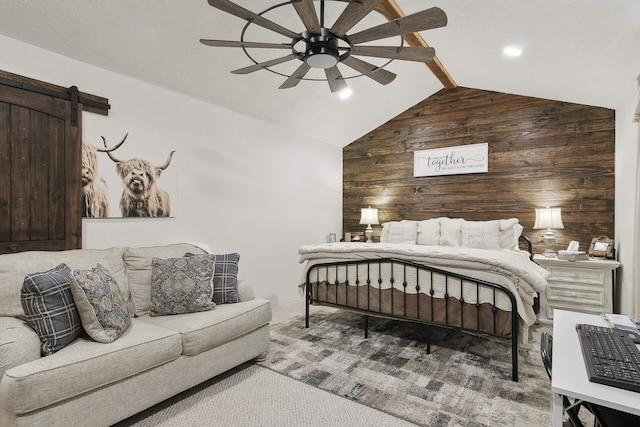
(611, 356)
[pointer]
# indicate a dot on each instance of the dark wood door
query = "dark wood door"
(40, 171)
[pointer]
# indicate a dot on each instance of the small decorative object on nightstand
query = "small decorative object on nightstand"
(601, 247)
(585, 286)
(369, 216)
(548, 218)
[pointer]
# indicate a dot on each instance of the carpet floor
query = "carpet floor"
(252, 396)
(465, 381)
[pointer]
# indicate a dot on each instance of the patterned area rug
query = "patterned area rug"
(465, 381)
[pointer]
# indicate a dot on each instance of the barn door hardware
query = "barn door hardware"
(72, 94)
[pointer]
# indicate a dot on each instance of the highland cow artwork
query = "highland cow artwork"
(136, 180)
(95, 203)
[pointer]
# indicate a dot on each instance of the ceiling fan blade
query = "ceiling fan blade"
(418, 53)
(380, 75)
(425, 20)
(334, 77)
(230, 43)
(307, 13)
(352, 14)
(254, 18)
(263, 65)
(295, 78)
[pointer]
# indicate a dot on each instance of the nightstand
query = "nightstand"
(585, 286)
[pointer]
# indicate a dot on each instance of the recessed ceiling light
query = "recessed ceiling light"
(512, 51)
(345, 93)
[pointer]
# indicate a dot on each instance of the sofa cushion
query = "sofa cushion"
(20, 344)
(181, 285)
(48, 304)
(209, 329)
(138, 262)
(14, 268)
(86, 365)
(103, 310)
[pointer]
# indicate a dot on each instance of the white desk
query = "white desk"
(569, 375)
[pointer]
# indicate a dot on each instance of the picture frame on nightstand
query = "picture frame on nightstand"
(354, 236)
(601, 247)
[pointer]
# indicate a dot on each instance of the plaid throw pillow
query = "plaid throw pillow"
(225, 277)
(49, 307)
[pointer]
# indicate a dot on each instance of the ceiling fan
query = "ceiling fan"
(321, 47)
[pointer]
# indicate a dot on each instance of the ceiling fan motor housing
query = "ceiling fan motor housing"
(322, 50)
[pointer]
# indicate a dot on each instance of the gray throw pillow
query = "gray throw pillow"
(50, 310)
(103, 310)
(181, 285)
(225, 277)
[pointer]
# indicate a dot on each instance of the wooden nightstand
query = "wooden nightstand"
(585, 286)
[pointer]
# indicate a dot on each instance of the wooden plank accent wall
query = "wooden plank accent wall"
(541, 153)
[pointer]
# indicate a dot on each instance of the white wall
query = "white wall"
(242, 185)
(627, 138)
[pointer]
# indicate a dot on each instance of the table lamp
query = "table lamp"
(369, 216)
(548, 218)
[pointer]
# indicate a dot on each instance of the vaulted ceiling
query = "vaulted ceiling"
(583, 51)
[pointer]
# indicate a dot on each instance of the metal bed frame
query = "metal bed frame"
(398, 267)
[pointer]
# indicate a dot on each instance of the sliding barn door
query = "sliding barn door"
(40, 161)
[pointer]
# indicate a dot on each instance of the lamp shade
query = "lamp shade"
(548, 218)
(369, 216)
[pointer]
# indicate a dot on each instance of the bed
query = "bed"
(468, 275)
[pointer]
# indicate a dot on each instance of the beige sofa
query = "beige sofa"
(91, 383)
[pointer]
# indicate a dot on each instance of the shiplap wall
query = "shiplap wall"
(541, 153)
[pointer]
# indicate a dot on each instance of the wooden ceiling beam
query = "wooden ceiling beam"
(391, 8)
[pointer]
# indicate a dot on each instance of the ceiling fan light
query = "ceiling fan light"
(322, 51)
(321, 56)
(321, 60)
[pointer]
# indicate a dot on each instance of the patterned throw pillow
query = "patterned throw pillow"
(103, 310)
(181, 285)
(48, 303)
(225, 277)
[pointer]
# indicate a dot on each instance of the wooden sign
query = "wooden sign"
(458, 160)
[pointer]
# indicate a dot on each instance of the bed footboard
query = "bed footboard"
(404, 290)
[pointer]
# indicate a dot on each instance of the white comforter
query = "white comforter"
(512, 269)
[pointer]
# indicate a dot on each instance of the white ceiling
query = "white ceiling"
(583, 51)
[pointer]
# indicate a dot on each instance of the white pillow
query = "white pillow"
(403, 232)
(509, 233)
(480, 234)
(384, 234)
(450, 234)
(517, 232)
(429, 232)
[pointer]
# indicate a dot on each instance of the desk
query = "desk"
(569, 375)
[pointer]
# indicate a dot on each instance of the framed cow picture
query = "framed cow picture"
(121, 179)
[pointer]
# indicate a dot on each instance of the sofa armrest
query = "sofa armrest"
(19, 344)
(245, 291)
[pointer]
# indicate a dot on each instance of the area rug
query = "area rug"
(465, 381)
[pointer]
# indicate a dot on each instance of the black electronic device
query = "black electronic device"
(610, 356)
